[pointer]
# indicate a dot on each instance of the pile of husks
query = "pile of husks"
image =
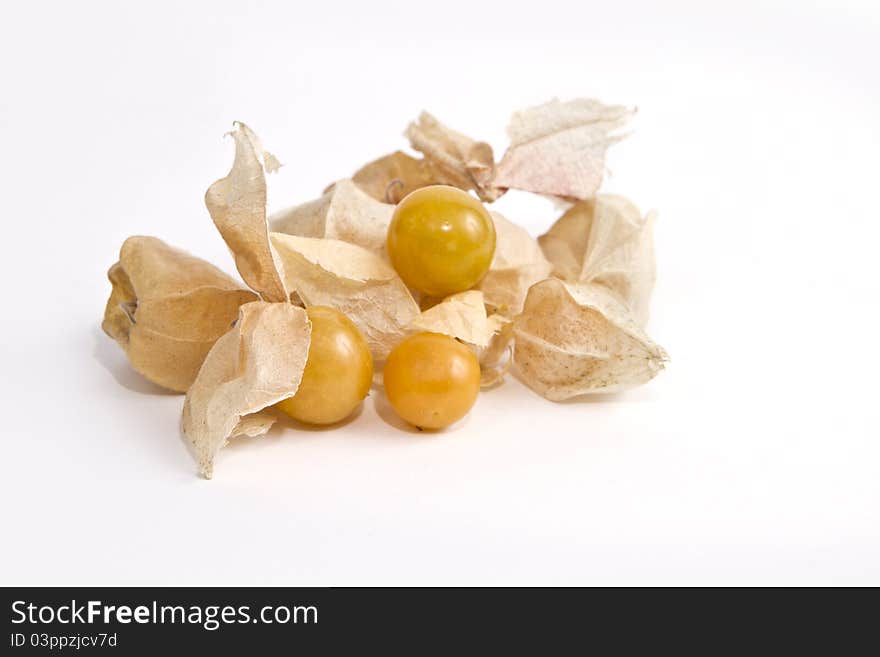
(565, 313)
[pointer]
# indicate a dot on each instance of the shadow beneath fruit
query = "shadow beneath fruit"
(593, 398)
(286, 428)
(634, 395)
(287, 422)
(111, 357)
(623, 397)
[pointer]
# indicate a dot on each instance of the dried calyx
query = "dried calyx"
(565, 311)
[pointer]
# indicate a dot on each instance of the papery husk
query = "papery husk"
(575, 339)
(237, 204)
(167, 308)
(255, 424)
(355, 281)
(559, 148)
(393, 176)
(345, 212)
(256, 364)
(606, 241)
(461, 316)
(464, 162)
(496, 358)
(518, 264)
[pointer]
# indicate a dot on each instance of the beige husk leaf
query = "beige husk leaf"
(518, 264)
(464, 163)
(256, 364)
(357, 282)
(496, 358)
(606, 241)
(559, 148)
(237, 204)
(167, 308)
(255, 424)
(345, 212)
(576, 339)
(462, 316)
(393, 176)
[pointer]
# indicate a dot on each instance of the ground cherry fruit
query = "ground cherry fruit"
(441, 240)
(431, 380)
(338, 372)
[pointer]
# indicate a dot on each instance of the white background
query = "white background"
(753, 459)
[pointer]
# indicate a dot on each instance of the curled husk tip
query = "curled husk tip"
(256, 364)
